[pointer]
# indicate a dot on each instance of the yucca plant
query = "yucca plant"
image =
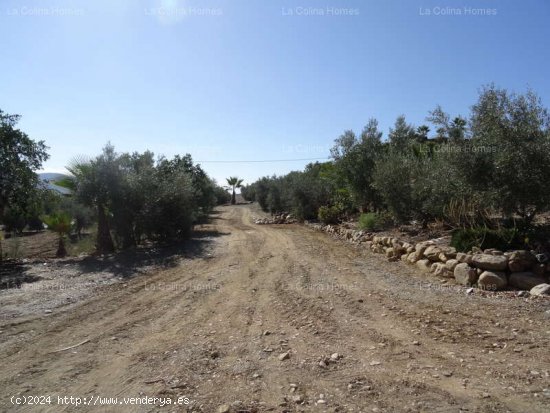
(59, 223)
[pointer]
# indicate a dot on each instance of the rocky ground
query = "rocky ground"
(255, 318)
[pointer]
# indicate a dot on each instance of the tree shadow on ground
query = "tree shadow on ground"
(125, 263)
(12, 275)
(141, 259)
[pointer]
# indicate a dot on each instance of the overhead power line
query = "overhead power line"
(267, 160)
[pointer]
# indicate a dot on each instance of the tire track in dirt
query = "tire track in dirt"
(213, 328)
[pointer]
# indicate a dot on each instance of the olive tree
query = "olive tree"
(511, 143)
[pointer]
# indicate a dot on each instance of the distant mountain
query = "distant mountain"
(50, 178)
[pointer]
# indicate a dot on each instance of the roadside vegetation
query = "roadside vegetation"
(483, 177)
(123, 199)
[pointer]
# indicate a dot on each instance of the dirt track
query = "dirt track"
(213, 327)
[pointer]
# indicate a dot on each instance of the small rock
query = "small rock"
(47, 311)
(224, 408)
(284, 356)
(334, 356)
(540, 290)
(298, 398)
(375, 363)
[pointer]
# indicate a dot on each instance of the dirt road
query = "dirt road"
(251, 324)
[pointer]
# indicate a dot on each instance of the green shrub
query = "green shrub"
(222, 196)
(370, 221)
(329, 214)
(503, 239)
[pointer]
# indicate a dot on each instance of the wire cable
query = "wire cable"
(267, 160)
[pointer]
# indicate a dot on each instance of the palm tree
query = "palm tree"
(61, 224)
(92, 182)
(234, 182)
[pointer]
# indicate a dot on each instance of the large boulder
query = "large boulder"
(539, 269)
(492, 280)
(450, 252)
(424, 265)
(464, 274)
(378, 248)
(541, 289)
(393, 254)
(439, 269)
(432, 253)
(464, 258)
(390, 252)
(525, 280)
(421, 247)
(521, 260)
(523, 255)
(414, 256)
(451, 264)
(490, 262)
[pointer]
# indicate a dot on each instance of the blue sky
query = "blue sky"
(254, 80)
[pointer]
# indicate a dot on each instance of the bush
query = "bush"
(370, 221)
(393, 179)
(222, 196)
(329, 214)
(502, 239)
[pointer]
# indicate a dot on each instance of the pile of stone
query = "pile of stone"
(277, 219)
(344, 231)
(490, 269)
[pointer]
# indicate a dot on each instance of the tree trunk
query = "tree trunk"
(104, 243)
(233, 200)
(61, 251)
(1, 232)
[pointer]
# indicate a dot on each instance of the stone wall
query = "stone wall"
(490, 269)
